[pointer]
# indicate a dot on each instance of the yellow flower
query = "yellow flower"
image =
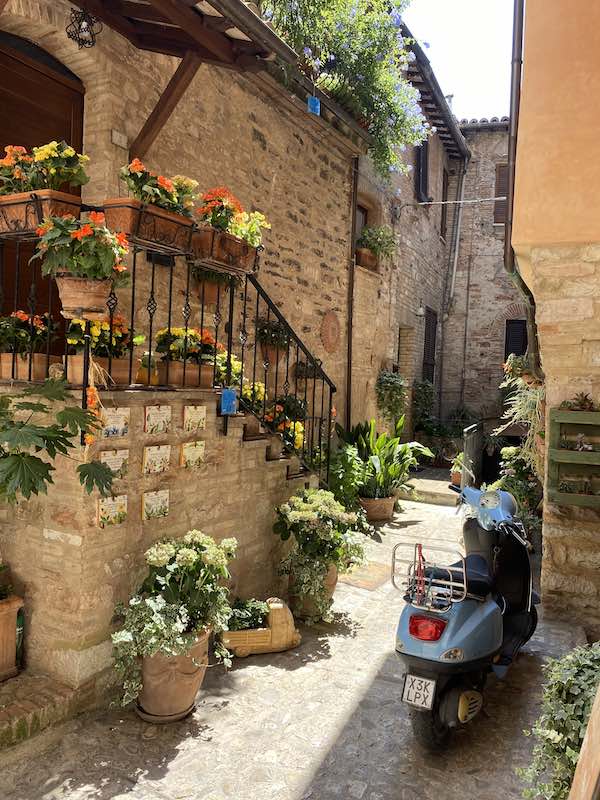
(45, 151)
(68, 151)
(72, 341)
(105, 326)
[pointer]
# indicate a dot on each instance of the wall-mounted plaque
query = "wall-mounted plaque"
(115, 422)
(155, 504)
(112, 510)
(156, 459)
(117, 460)
(192, 454)
(194, 418)
(157, 419)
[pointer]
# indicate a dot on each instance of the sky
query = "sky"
(470, 45)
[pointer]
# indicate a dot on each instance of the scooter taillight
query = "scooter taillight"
(427, 629)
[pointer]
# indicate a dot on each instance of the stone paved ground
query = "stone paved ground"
(321, 722)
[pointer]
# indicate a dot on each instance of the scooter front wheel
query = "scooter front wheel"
(429, 730)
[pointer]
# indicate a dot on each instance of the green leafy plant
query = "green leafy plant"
(581, 402)
(26, 333)
(518, 478)
(324, 533)
(458, 463)
(525, 405)
(181, 596)
(105, 340)
(390, 390)
(29, 443)
(49, 166)
(248, 614)
(568, 696)
(272, 332)
(213, 276)
(379, 239)
(187, 344)
(249, 227)
(422, 405)
(175, 194)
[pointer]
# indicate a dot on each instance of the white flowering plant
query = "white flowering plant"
(324, 534)
(182, 596)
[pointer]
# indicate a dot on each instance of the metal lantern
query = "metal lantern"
(83, 28)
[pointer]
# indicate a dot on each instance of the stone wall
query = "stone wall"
(484, 296)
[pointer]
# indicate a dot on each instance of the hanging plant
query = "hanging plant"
(390, 390)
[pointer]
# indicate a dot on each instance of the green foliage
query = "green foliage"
(458, 463)
(390, 390)
(568, 697)
(580, 402)
(50, 166)
(518, 478)
(181, 596)
(272, 332)
(248, 614)
(26, 333)
(175, 194)
(525, 406)
(345, 475)
(354, 50)
(379, 239)
(26, 443)
(423, 400)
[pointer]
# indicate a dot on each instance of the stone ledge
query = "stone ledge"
(29, 703)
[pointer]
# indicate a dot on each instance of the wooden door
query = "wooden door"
(40, 101)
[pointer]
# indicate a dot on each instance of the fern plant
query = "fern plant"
(525, 406)
(390, 390)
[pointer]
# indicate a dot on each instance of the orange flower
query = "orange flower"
(92, 397)
(122, 239)
(165, 183)
(7, 161)
(81, 233)
(18, 173)
(120, 267)
(15, 148)
(222, 196)
(20, 315)
(97, 217)
(89, 438)
(137, 166)
(44, 227)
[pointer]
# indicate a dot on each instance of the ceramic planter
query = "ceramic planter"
(83, 298)
(217, 247)
(8, 636)
(366, 258)
(304, 607)
(119, 370)
(39, 366)
(380, 509)
(148, 224)
(171, 683)
(202, 377)
(455, 478)
(279, 635)
(23, 212)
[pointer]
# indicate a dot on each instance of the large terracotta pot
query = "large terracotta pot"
(8, 636)
(171, 683)
(379, 509)
(119, 370)
(149, 225)
(202, 378)
(304, 607)
(83, 298)
(19, 212)
(366, 258)
(39, 365)
(222, 249)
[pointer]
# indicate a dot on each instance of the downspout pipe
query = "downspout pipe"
(509, 254)
(351, 281)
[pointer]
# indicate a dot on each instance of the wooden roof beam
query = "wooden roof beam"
(106, 12)
(193, 24)
(167, 102)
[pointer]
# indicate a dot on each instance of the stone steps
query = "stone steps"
(30, 703)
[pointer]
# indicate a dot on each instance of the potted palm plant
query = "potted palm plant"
(374, 242)
(86, 259)
(160, 210)
(161, 648)
(30, 185)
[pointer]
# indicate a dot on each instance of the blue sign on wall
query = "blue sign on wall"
(314, 105)
(229, 402)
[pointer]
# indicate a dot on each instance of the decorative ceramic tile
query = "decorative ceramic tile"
(192, 454)
(156, 459)
(194, 418)
(117, 460)
(157, 419)
(155, 504)
(112, 510)
(115, 422)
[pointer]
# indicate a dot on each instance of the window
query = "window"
(515, 340)
(501, 206)
(429, 345)
(422, 172)
(444, 217)
(362, 220)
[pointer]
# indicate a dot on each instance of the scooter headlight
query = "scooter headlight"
(454, 654)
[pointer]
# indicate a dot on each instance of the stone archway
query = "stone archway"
(513, 311)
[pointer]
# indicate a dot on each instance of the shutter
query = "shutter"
(429, 345)
(516, 337)
(422, 172)
(501, 206)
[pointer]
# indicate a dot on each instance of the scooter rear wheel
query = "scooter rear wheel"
(429, 730)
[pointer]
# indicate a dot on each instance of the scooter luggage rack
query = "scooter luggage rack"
(429, 585)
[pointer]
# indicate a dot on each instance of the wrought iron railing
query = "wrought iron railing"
(175, 326)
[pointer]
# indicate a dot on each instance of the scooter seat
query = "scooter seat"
(479, 580)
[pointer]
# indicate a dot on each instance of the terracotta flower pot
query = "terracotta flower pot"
(271, 354)
(233, 252)
(455, 478)
(202, 242)
(8, 636)
(279, 634)
(366, 258)
(304, 607)
(202, 378)
(380, 509)
(148, 224)
(83, 298)
(171, 683)
(19, 212)
(119, 370)
(39, 364)
(208, 293)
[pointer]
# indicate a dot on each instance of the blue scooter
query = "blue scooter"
(465, 616)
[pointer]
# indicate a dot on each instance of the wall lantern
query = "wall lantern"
(83, 28)
(420, 312)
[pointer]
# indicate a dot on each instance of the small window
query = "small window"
(515, 340)
(362, 220)
(444, 217)
(501, 206)
(429, 345)
(422, 172)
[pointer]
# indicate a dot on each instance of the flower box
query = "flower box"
(23, 212)
(119, 370)
(39, 364)
(9, 609)
(201, 377)
(222, 249)
(149, 225)
(279, 635)
(366, 258)
(83, 298)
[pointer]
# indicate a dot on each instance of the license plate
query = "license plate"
(418, 692)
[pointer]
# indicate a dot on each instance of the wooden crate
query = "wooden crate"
(586, 462)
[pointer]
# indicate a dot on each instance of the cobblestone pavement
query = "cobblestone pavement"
(317, 723)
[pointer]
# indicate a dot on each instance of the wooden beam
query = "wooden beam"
(3, 3)
(139, 11)
(167, 102)
(193, 24)
(105, 13)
